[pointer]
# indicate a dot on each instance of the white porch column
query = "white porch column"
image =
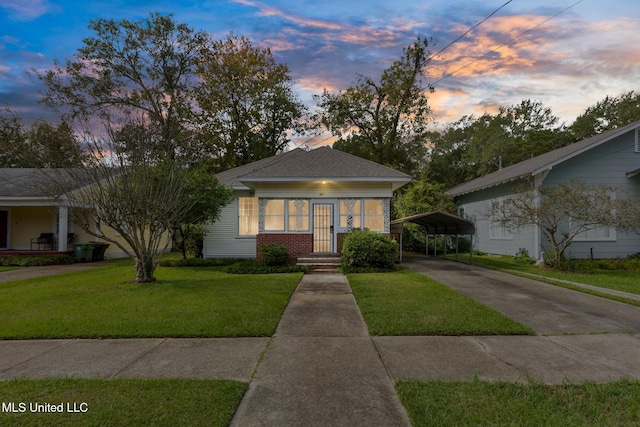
(63, 219)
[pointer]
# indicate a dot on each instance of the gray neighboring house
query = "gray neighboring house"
(305, 200)
(612, 158)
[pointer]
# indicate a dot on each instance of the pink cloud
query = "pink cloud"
(267, 10)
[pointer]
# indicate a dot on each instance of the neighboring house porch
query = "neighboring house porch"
(28, 210)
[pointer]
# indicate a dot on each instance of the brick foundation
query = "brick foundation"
(298, 244)
(339, 242)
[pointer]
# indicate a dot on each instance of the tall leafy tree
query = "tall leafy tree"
(141, 69)
(384, 121)
(475, 146)
(40, 145)
(515, 133)
(448, 163)
(610, 113)
(53, 146)
(11, 139)
(247, 102)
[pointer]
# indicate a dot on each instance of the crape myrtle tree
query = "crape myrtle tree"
(384, 121)
(142, 198)
(248, 106)
(567, 210)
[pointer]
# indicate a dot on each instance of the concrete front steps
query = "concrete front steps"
(321, 263)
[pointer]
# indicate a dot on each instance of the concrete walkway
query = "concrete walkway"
(49, 270)
(321, 368)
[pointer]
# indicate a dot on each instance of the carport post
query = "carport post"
(457, 235)
(426, 239)
(435, 245)
(401, 246)
(444, 244)
(470, 248)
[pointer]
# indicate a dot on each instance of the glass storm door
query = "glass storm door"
(323, 227)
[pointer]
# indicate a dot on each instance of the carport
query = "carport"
(437, 223)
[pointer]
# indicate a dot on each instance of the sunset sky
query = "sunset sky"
(568, 63)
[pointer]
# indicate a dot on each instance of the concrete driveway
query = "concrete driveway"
(548, 309)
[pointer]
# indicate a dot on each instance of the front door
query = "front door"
(4, 217)
(323, 227)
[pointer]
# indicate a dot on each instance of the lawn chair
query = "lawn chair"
(44, 240)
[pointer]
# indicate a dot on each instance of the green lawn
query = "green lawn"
(407, 303)
(184, 302)
(2, 268)
(480, 403)
(621, 280)
(174, 402)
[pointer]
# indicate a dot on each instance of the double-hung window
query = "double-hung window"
(290, 215)
(247, 216)
(358, 213)
(497, 230)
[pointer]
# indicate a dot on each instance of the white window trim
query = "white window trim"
(494, 227)
(612, 236)
(286, 229)
(362, 215)
(244, 236)
(612, 231)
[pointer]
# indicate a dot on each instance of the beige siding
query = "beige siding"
(27, 222)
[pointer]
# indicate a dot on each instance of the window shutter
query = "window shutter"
(637, 141)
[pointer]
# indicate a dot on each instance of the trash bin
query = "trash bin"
(99, 250)
(83, 252)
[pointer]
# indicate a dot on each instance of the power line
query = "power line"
(468, 31)
(506, 44)
(311, 144)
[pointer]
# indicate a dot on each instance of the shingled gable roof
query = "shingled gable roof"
(34, 183)
(320, 164)
(539, 164)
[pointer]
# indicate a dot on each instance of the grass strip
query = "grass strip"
(184, 302)
(121, 402)
(405, 302)
(477, 403)
(619, 280)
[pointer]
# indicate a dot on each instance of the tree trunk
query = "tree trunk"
(144, 270)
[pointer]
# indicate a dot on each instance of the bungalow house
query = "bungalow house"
(305, 200)
(612, 158)
(28, 209)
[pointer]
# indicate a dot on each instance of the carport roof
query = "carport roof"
(436, 223)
